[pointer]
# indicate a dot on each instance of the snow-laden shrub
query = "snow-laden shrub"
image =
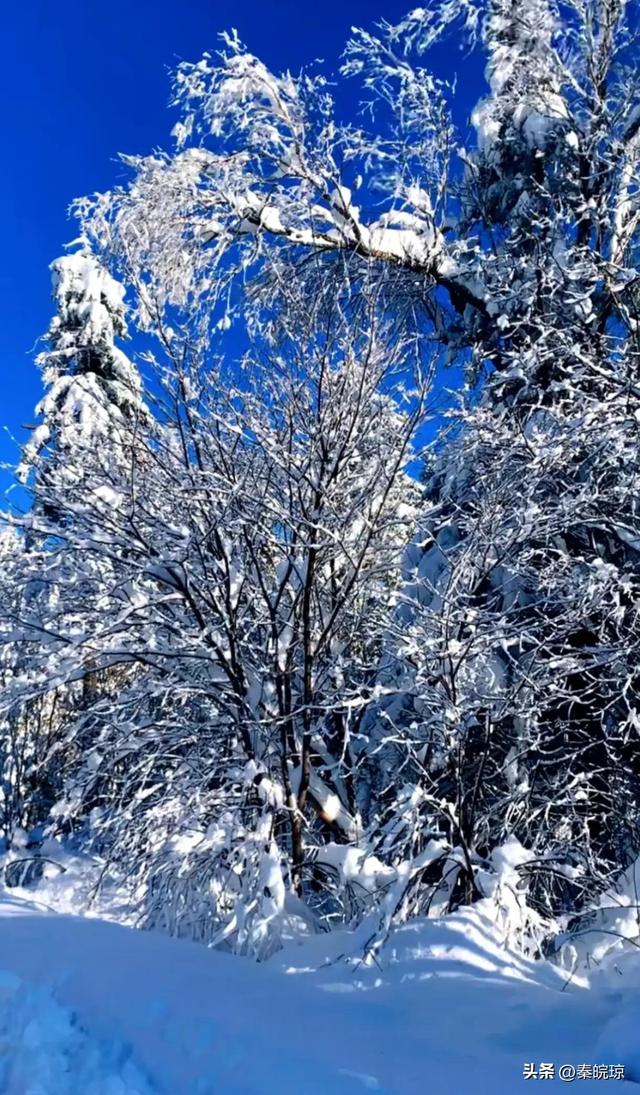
(505, 885)
(606, 935)
(224, 887)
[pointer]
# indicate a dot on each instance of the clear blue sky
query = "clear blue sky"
(84, 81)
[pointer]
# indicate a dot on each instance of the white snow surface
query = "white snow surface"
(88, 1006)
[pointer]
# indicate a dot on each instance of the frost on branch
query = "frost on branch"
(264, 172)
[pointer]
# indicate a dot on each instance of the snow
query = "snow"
(44, 1050)
(355, 866)
(93, 1007)
(619, 1040)
(611, 928)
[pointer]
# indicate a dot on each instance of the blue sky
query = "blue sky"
(84, 81)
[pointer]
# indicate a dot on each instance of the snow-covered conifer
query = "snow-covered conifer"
(90, 384)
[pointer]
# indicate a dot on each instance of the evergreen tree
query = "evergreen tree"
(91, 387)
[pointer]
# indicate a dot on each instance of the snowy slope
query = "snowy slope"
(449, 1012)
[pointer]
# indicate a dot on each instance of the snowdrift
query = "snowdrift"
(93, 1007)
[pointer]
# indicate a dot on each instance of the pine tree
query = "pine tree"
(91, 387)
(92, 401)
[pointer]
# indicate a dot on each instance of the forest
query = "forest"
(320, 599)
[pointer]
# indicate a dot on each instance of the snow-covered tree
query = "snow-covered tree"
(28, 786)
(92, 392)
(91, 386)
(233, 589)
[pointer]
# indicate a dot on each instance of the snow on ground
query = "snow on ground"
(43, 1049)
(88, 1006)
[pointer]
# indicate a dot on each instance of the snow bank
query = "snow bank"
(620, 1041)
(446, 1009)
(43, 1051)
